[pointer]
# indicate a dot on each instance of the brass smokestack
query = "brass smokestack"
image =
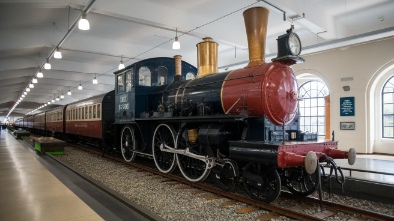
(256, 20)
(178, 68)
(207, 57)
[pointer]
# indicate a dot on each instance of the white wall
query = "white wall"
(365, 63)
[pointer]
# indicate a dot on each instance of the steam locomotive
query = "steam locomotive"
(216, 123)
(211, 123)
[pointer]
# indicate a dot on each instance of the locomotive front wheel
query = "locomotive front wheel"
(226, 176)
(192, 169)
(261, 182)
(163, 135)
(301, 183)
(127, 143)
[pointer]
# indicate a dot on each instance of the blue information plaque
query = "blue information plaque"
(347, 106)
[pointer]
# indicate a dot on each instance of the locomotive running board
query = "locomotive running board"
(210, 161)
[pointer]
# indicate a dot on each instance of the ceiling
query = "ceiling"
(140, 29)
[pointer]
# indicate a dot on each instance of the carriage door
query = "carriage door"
(125, 97)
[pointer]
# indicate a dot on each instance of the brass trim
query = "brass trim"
(184, 89)
(192, 135)
(221, 90)
(176, 94)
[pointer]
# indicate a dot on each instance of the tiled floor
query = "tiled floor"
(370, 162)
(30, 192)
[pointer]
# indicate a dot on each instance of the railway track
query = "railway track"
(330, 209)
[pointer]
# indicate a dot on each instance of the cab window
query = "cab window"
(144, 76)
(120, 85)
(129, 80)
(162, 75)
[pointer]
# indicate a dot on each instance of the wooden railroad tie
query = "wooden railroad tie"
(228, 203)
(198, 192)
(212, 197)
(184, 187)
(246, 209)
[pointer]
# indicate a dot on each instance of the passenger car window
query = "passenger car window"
(120, 83)
(162, 75)
(129, 80)
(98, 110)
(90, 112)
(94, 111)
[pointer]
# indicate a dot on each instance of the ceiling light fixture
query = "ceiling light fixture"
(39, 74)
(47, 65)
(80, 87)
(95, 79)
(121, 65)
(25, 93)
(53, 100)
(31, 85)
(49, 102)
(58, 54)
(27, 89)
(176, 45)
(62, 96)
(34, 80)
(69, 92)
(57, 99)
(83, 23)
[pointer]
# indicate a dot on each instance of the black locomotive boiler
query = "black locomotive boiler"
(215, 123)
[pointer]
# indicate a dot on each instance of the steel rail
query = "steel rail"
(240, 198)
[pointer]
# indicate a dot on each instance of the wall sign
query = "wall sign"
(347, 125)
(347, 106)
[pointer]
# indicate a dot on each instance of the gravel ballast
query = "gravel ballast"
(172, 203)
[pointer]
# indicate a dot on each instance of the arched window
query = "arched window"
(144, 76)
(388, 109)
(312, 107)
(190, 76)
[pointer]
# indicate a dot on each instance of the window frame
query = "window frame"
(383, 114)
(117, 83)
(314, 105)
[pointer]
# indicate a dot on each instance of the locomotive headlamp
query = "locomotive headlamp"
(289, 47)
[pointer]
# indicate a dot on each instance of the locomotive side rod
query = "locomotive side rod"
(210, 161)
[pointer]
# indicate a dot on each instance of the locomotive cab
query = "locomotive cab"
(136, 83)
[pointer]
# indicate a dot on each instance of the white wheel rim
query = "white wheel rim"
(153, 149)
